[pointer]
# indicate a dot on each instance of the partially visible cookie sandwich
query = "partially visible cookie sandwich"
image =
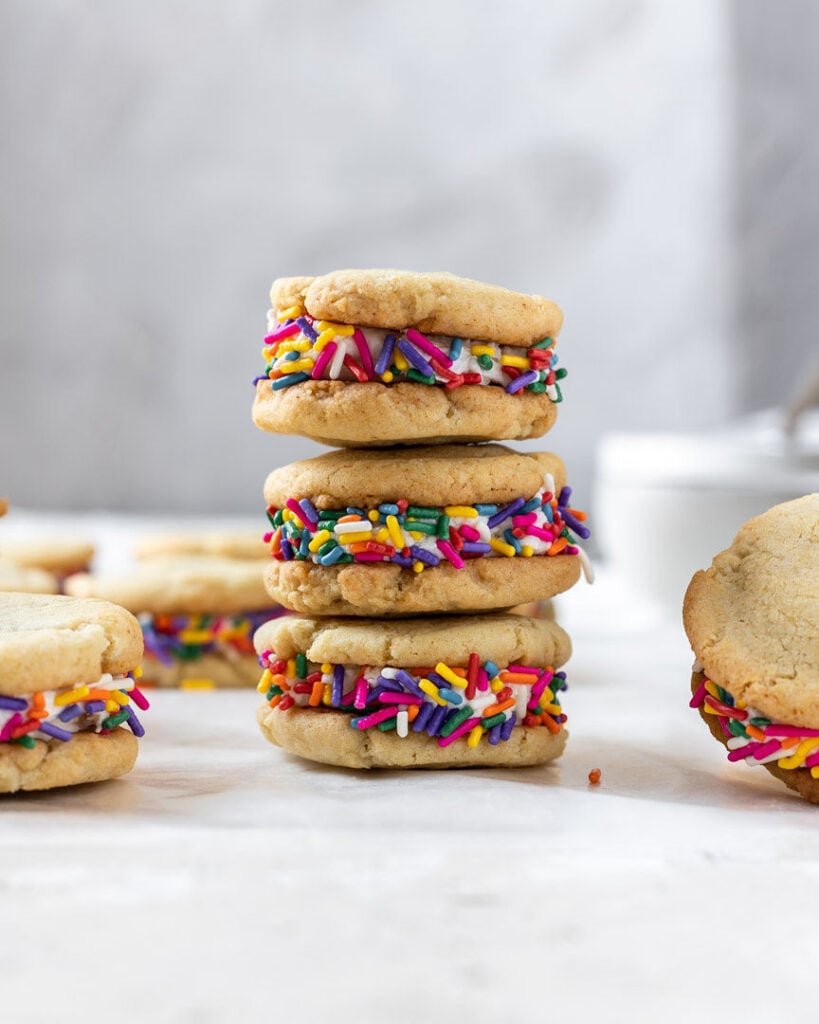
(59, 556)
(68, 696)
(21, 580)
(753, 623)
(414, 693)
(241, 544)
(197, 613)
(410, 531)
(379, 357)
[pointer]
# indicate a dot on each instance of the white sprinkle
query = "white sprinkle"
(402, 724)
(337, 361)
(585, 561)
(364, 526)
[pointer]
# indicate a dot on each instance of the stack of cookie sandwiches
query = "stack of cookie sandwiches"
(402, 552)
(198, 612)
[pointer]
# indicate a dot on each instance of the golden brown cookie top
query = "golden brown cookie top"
(438, 303)
(48, 642)
(439, 475)
(405, 643)
(181, 585)
(55, 554)
(241, 544)
(753, 617)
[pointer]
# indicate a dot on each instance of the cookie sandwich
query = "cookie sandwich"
(58, 556)
(197, 613)
(410, 531)
(414, 693)
(69, 703)
(753, 623)
(241, 544)
(20, 579)
(379, 357)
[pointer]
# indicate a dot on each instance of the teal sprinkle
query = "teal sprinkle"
(290, 356)
(290, 379)
(335, 555)
(531, 505)
(455, 347)
(485, 510)
(491, 669)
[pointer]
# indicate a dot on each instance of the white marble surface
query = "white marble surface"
(225, 881)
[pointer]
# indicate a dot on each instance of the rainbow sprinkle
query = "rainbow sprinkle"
(446, 702)
(170, 638)
(752, 737)
(299, 348)
(417, 537)
(59, 714)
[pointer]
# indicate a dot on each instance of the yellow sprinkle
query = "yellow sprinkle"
(502, 547)
(449, 675)
(137, 673)
(431, 690)
(372, 515)
(197, 684)
(264, 682)
(712, 689)
(815, 771)
(196, 636)
(400, 360)
(111, 707)
(292, 345)
(121, 698)
(291, 313)
(290, 668)
(527, 550)
(474, 737)
(327, 696)
(520, 361)
(388, 376)
(553, 709)
(417, 566)
(352, 538)
(482, 350)
(298, 366)
(465, 511)
(415, 534)
(383, 535)
(394, 528)
(708, 709)
(324, 338)
(797, 758)
(71, 696)
(320, 538)
(496, 685)
(288, 514)
(345, 330)
(326, 668)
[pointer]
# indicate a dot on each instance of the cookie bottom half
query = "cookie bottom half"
(89, 757)
(342, 414)
(798, 779)
(325, 736)
(381, 589)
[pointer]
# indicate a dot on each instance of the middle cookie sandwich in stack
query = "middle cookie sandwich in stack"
(398, 539)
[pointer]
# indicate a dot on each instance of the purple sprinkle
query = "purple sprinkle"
(385, 356)
(389, 684)
(133, 723)
(262, 376)
(507, 726)
(287, 550)
(338, 686)
(575, 524)
(415, 357)
(72, 711)
(439, 681)
(309, 509)
(93, 707)
(505, 513)
(401, 560)
(423, 716)
(563, 497)
(55, 731)
(420, 555)
(409, 683)
(373, 695)
(436, 720)
(13, 704)
(476, 547)
(494, 734)
(307, 328)
(530, 377)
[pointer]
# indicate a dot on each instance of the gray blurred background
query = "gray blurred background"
(652, 167)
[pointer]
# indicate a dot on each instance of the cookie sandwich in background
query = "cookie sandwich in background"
(69, 702)
(752, 620)
(238, 544)
(198, 614)
(413, 531)
(59, 556)
(381, 357)
(449, 691)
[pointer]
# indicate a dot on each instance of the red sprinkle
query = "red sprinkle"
(594, 776)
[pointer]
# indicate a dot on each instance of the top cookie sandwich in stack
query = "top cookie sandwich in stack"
(400, 361)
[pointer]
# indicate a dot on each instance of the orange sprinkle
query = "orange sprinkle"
(578, 514)
(791, 741)
(39, 701)
(412, 712)
(276, 541)
(495, 709)
(553, 726)
(517, 677)
(275, 700)
(757, 734)
(558, 546)
(594, 776)
(316, 694)
(350, 519)
(97, 695)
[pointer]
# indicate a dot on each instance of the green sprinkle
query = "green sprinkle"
(543, 343)
(736, 728)
(329, 514)
(419, 378)
(273, 516)
(559, 394)
(443, 527)
(759, 722)
(457, 719)
(345, 558)
(188, 652)
(421, 527)
(301, 666)
(387, 726)
(326, 548)
(537, 388)
(485, 362)
(114, 720)
(497, 719)
(274, 691)
(419, 512)
(25, 741)
(561, 373)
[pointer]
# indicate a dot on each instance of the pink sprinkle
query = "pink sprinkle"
(298, 511)
(789, 730)
(812, 759)
(426, 346)
(742, 752)
(376, 717)
(527, 520)
(360, 694)
(324, 358)
(364, 352)
(139, 698)
(538, 688)
(764, 749)
(390, 697)
(456, 734)
(726, 732)
(450, 553)
(368, 556)
(282, 332)
(537, 531)
(15, 720)
(699, 697)
(527, 670)
(469, 532)
(483, 680)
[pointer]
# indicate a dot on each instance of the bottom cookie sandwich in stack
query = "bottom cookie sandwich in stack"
(68, 698)
(414, 693)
